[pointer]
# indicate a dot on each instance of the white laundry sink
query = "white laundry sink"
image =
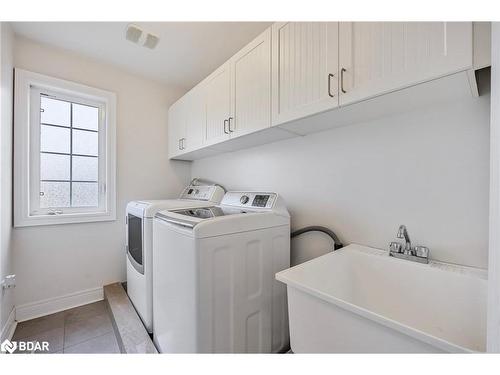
(358, 299)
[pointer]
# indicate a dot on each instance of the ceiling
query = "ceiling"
(186, 53)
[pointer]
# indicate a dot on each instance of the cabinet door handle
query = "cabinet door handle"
(342, 79)
(183, 143)
(229, 122)
(180, 143)
(330, 76)
(225, 123)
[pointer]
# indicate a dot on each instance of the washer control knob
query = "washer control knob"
(196, 191)
(244, 199)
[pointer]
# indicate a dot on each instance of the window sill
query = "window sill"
(38, 220)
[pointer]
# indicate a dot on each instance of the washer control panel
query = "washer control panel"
(260, 200)
(202, 192)
(249, 199)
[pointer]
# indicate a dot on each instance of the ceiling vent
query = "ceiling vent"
(136, 35)
(151, 41)
(133, 33)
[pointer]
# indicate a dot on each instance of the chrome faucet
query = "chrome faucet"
(403, 233)
(416, 254)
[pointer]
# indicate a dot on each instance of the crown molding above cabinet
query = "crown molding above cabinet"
(298, 78)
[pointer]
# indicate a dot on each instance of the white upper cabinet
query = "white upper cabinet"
(305, 69)
(186, 123)
(196, 118)
(176, 128)
(251, 84)
(378, 57)
(271, 89)
(217, 90)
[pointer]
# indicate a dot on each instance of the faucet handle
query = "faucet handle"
(395, 247)
(422, 251)
(401, 231)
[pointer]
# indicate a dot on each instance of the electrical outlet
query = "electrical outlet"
(8, 282)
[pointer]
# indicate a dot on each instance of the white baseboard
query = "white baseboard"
(53, 305)
(9, 327)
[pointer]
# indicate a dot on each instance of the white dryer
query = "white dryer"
(139, 242)
(214, 289)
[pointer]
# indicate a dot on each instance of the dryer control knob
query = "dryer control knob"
(244, 199)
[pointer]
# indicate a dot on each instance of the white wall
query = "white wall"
(427, 169)
(52, 261)
(6, 97)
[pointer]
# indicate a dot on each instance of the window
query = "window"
(64, 151)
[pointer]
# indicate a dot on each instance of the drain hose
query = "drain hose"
(316, 228)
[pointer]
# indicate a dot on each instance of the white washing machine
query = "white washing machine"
(214, 289)
(139, 242)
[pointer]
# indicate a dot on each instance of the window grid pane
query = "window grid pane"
(54, 111)
(84, 168)
(76, 184)
(85, 117)
(54, 139)
(54, 194)
(54, 167)
(85, 142)
(85, 194)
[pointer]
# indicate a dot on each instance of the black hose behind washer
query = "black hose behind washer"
(316, 228)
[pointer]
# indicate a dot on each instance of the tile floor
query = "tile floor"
(84, 329)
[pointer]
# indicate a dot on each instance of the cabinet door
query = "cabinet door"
(196, 119)
(251, 85)
(378, 57)
(218, 104)
(305, 69)
(176, 128)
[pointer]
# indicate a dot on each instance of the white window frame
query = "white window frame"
(27, 150)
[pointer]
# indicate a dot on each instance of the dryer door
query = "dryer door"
(135, 250)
